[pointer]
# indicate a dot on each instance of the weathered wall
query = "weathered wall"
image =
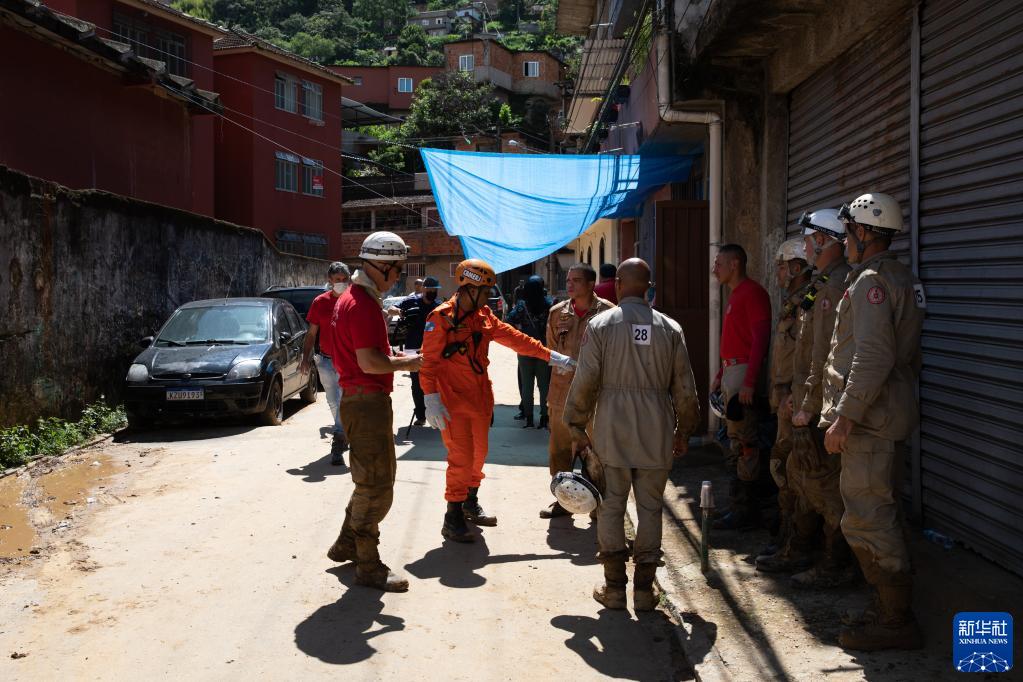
(85, 274)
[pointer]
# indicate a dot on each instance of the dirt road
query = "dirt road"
(199, 553)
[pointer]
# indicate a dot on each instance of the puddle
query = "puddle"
(72, 487)
(17, 535)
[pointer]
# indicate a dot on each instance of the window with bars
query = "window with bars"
(404, 85)
(312, 100)
(531, 69)
(286, 172)
(415, 269)
(312, 177)
(466, 62)
(285, 93)
(313, 244)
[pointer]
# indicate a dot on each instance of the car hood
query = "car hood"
(198, 359)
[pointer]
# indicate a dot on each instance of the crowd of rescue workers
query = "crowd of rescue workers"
(618, 396)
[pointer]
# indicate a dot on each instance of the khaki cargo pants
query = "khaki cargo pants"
(813, 475)
(648, 487)
(368, 423)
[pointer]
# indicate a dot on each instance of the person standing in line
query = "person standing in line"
(321, 311)
(459, 396)
(566, 324)
(745, 336)
(606, 288)
(635, 384)
(530, 317)
(414, 311)
(869, 410)
(363, 358)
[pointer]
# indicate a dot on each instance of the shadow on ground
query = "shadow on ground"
(179, 429)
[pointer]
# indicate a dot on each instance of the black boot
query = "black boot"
(472, 510)
(544, 423)
(520, 416)
(529, 422)
(337, 446)
(454, 524)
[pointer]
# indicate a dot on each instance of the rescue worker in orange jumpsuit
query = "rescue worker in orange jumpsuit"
(459, 396)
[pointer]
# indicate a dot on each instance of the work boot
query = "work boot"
(554, 511)
(454, 524)
(420, 420)
(544, 423)
(338, 445)
(520, 416)
(895, 626)
(529, 422)
(474, 512)
(380, 577)
(612, 593)
(793, 557)
(835, 568)
(867, 614)
(341, 551)
(643, 596)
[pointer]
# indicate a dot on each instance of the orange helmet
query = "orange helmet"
(476, 272)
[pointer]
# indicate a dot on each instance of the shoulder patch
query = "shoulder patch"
(876, 295)
(429, 326)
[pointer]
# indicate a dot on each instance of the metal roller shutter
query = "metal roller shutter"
(849, 127)
(971, 262)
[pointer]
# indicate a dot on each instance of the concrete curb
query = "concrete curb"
(46, 458)
(703, 657)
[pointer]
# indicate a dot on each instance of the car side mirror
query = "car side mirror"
(285, 337)
(146, 342)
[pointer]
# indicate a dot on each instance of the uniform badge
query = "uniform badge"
(876, 295)
(429, 327)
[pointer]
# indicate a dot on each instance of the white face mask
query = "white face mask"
(340, 287)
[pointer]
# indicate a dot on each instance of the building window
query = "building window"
(452, 269)
(415, 269)
(285, 93)
(312, 177)
(313, 245)
(356, 80)
(355, 221)
(152, 43)
(439, 21)
(312, 100)
(404, 85)
(600, 253)
(466, 62)
(589, 255)
(426, 22)
(531, 69)
(287, 172)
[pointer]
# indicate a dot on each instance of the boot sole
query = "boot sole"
(613, 605)
(400, 587)
(340, 557)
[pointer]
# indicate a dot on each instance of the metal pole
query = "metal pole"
(707, 506)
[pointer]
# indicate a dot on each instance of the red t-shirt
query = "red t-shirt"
(746, 328)
(321, 311)
(606, 290)
(358, 322)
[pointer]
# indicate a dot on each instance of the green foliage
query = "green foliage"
(451, 104)
(52, 436)
(202, 9)
(384, 17)
(392, 156)
(507, 118)
(313, 48)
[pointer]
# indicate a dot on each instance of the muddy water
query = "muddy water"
(17, 535)
(70, 488)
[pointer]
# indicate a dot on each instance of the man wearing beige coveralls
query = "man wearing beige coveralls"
(634, 379)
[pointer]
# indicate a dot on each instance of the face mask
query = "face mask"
(430, 296)
(339, 287)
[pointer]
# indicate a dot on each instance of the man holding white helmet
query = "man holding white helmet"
(365, 367)
(869, 409)
(635, 384)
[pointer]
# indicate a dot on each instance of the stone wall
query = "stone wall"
(84, 275)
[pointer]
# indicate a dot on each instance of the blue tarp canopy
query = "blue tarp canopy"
(513, 209)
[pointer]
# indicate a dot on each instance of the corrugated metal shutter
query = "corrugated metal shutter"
(971, 262)
(849, 127)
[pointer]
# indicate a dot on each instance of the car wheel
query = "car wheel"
(273, 415)
(308, 393)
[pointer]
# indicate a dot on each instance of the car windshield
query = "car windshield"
(300, 298)
(237, 325)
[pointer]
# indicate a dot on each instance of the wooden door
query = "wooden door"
(627, 239)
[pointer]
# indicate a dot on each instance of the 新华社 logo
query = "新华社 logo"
(982, 642)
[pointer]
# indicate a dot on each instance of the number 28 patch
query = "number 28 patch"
(641, 334)
(876, 295)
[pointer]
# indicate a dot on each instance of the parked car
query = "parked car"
(227, 356)
(300, 297)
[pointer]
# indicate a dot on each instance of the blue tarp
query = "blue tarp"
(513, 209)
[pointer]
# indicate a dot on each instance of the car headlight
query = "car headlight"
(138, 373)
(246, 369)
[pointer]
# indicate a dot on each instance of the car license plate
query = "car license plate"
(185, 394)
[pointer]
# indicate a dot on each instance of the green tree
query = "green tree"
(313, 48)
(384, 17)
(202, 9)
(451, 104)
(413, 50)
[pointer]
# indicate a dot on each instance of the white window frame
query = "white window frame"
(286, 172)
(439, 21)
(285, 93)
(466, 62)
(312, 100)
(311, 168)
(407, 82)
(415, 270)
(526, 70)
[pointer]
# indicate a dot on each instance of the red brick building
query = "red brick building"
(278, 164)
(134, 117)
(527, 73)
(385, 88)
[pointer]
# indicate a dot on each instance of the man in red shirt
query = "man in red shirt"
(320, 314)
(606, 288)
(745, 336)
(362, 356)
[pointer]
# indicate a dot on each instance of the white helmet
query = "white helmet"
(717, 404)
(825, 221)
(575, 492)
(792, 249)
(383, 246)
(876, 212)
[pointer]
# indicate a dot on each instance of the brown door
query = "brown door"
(681, 273)
(627, 239)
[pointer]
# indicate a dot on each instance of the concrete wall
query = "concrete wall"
(85, 274)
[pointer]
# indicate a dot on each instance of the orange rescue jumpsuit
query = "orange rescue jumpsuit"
(467, 392)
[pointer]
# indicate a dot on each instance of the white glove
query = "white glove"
(561, 361)
(436, 413)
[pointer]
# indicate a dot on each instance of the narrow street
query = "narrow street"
(198, 552)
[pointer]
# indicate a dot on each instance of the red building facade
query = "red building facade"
(386, 88)
(278, 161)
